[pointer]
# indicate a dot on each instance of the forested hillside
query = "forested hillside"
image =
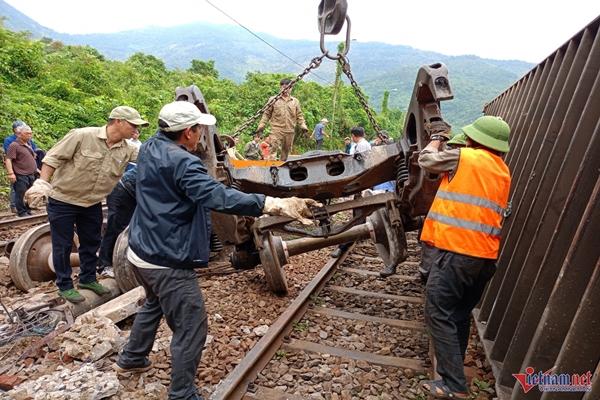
(56, 87)
(378, 67)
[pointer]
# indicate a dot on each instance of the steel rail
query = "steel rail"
(235, 385)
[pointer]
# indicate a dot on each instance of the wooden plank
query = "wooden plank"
(406, 299)
(332, 312)
(358, 271)
(123, 306)
(265, 393)
(397, 362)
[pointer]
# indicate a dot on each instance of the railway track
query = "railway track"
(348, 334)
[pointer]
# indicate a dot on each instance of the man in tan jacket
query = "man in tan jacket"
(77, 174)
(283, 115)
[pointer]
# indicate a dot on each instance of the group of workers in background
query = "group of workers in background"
(166, 198)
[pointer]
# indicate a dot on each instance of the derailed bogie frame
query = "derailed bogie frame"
(382, 217)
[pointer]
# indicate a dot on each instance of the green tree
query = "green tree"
(204, 68)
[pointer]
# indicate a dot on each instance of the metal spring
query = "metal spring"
(215, 243)
(401, 171)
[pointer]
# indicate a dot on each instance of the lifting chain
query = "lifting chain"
(345, 64)
(314, 64)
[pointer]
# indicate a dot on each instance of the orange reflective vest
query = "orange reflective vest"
(467, 212)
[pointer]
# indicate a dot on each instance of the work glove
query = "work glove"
(37, 195)
(438, 128)
(292, 207)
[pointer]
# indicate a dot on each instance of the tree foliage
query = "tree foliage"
(56, 87)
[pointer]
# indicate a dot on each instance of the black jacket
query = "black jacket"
(171, 224)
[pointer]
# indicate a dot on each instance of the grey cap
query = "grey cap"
(179, 115)
(129, 114)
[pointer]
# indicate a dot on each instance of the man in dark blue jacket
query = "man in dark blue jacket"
(169, 237)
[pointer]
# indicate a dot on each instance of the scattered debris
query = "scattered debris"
(85, 383)
(91, 338)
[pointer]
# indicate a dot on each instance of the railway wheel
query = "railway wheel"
(390, 241)
(31, 258)
(272, 258)
(122, 267)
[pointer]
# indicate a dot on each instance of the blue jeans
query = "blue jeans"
(454, 287)
(121, 206)
(174, 293)
(319, 143)
(64, 219)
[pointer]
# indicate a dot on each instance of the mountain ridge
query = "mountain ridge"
(376, 66)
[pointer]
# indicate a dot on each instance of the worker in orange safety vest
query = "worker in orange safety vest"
(463, 229)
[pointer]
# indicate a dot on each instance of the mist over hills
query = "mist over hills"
(376, 66)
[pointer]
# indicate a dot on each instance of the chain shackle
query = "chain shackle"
(346, 44)
(361, 98)
(314, 64)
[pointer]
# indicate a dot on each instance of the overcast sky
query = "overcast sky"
(503, 29)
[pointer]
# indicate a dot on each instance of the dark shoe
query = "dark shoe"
(71, 295)
(94, 287)
(438, 390)
(388, 271)
(13, 209)
(123, 368)
(336, 253)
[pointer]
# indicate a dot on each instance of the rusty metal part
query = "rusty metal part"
(362, 206)
(31, 258)
(383, 227)
(321, 176)
(271, 256)
(236, 383)
(431, 87)
(122, 267)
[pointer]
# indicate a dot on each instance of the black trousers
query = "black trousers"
(175, 294)
(121, 206)
(64, 218)
(21, 185)
(454, 287)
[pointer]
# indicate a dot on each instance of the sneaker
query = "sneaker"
(123, 368)
(389, 270)
(71, 295)
(107, 272)
(94, 287)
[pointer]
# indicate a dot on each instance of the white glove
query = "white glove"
(37, 195)
(292, 207)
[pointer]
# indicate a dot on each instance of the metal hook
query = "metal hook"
(346, 45)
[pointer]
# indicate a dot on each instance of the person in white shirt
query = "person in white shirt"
(358, 138)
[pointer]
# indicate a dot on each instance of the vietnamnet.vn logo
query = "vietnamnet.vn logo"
(549, 382)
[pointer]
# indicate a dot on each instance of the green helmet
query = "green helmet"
(458, 139)
(489, 131)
